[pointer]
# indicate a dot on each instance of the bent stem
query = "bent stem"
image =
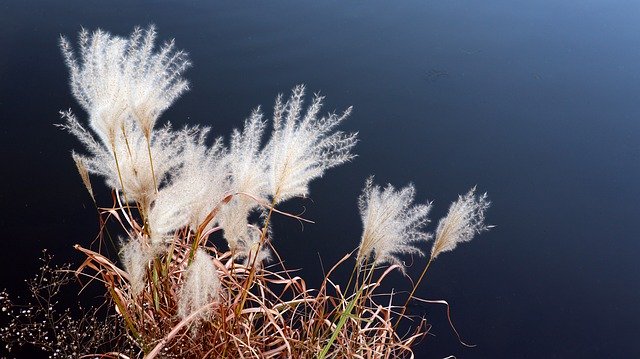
(252, 270)
(413, 291)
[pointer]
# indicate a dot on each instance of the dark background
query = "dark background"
(535, 102)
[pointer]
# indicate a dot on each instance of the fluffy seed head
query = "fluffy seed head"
(116, 78)
(126, 165)
(393, 225)
(135, 257)
(248, 176)
(201, 286)
(195, 188)
(464, 220)
(302, 148)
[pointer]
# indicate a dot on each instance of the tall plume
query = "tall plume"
(124, 86)
(116, 78)
(464, 220)
(302, 148)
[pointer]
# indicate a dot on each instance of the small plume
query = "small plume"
(393, 225)
(154, 78)
(464, 220)
(250, 248)
(201, 286)
(247, 168)
(195, 188)
(135, 257)
(84, 173)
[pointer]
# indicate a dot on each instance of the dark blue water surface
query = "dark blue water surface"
(536, 102)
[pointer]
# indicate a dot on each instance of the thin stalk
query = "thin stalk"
(124, 193)
(344, 316)
(253, 264)
(155, 279)
(367, 284)
(169, 256)
(346, 289)
(413, 291)
(125, 315)
(153, 173)
(194, 247)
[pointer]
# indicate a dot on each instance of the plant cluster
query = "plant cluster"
(176, 293)
(42, 324)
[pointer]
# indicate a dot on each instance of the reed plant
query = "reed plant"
(173, 291)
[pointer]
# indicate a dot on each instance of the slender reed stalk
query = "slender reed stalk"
(413, 291)
(153, 173)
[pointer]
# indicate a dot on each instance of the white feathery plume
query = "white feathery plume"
(251, 250)
(200, 288)
(97, 80)
(196, 189)
(135, 258)
(247, 169)
(302, 148)
(124, 85)
(116, 78)
(464, 220)
(393, 225)
(132, 174)
(154, 78)
(246, 161)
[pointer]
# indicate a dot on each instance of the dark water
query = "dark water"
(538, 103)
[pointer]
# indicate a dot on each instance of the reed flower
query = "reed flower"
(393, 225)
(135, 257)
(179, 189)
(464, 220)
(97, 80)
(302, 148)
(154, 78)
(116, 78)
(124, 85)
(128, 169)
(201, 286)
(195, 188)
(247, 169)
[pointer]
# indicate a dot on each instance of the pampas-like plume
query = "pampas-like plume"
(124, 86)
(197, 187)
(154, 78)
(393, 225)
(132, 172)
(135, 257)
(302, 149)
(247, 168)
(201, 286)
(97, 80)
(116, 78)
(464, 220)
(84, 173)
